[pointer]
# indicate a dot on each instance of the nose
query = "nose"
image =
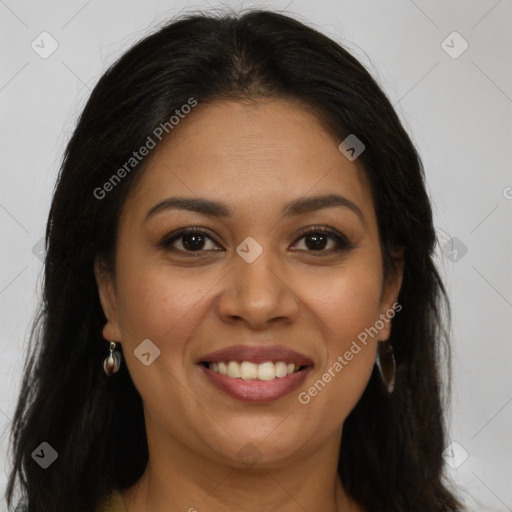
(258, 294)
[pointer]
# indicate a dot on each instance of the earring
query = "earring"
(112, 362)
(385, 362)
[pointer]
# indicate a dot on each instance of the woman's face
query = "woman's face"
(250, 284)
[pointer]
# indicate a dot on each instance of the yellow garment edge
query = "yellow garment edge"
(113, 503)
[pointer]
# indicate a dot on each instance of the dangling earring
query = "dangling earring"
(385, 362)
(112, 362)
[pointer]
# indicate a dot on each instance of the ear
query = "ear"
(390, 292)
(106, 290)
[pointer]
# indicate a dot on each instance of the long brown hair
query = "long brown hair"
(391, 453)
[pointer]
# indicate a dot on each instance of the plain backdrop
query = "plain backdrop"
(445, 66)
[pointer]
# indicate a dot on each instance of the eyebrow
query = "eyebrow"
(218, 209)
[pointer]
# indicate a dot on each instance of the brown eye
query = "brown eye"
(188, 240)
(195, 240)
(316, 240)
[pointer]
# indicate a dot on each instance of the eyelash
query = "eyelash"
(343, 244)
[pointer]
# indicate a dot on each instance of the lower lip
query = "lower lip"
(257, 391)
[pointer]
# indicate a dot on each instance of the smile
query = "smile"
(250, 371)
(256, 374)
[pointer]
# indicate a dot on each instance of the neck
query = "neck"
(177, 478)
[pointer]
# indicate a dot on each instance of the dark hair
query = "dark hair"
(391, 452)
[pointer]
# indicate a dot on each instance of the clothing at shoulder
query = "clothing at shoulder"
(113, 503)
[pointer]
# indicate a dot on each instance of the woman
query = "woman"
(241, 308)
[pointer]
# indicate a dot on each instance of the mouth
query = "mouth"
(267, 371)
(256, 374)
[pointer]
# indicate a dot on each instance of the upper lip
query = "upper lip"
(257, 354)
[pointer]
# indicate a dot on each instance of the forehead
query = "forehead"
(252, 155)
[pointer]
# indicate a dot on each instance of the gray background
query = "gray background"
(456, 106)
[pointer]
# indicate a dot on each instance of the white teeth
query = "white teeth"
(233, 370)
(223, 368)
(266, 371)
(281, 369)
(250, 371)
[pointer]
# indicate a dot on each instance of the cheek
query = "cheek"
(349, 306)
(164, 307)
(347, 300)
(156, 303)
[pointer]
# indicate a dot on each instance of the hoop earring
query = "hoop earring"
(112, 362)
(385, 362)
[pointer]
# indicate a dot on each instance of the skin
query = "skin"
(254, 157)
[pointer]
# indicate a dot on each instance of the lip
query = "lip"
(257, 354)
(256, 391)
